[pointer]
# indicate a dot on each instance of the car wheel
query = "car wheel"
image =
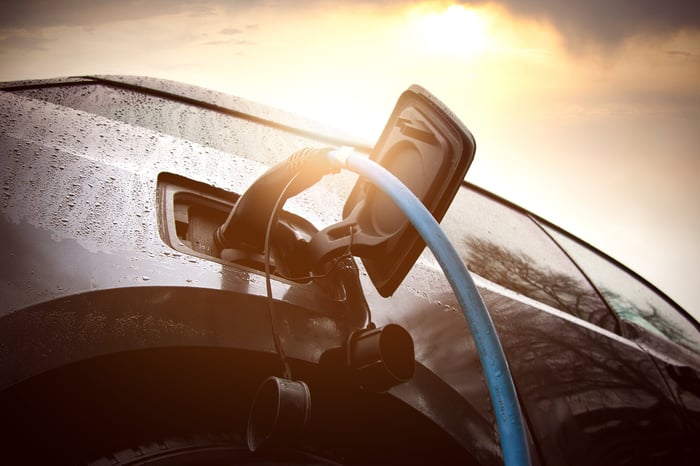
(205, 450)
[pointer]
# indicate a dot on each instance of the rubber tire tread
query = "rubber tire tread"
(211, 449)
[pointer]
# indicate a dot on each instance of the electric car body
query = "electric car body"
(129, 335)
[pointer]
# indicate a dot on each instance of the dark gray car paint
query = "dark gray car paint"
(86, 274)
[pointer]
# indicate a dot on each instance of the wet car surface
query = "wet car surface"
(118, 328)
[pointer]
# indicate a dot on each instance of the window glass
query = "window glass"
(506, 247)
(632, 300)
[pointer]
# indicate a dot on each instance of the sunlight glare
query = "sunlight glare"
(456, 31)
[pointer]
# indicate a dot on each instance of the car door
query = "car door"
(653, 322)
(590, 395)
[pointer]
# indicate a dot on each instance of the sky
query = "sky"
(586, 113)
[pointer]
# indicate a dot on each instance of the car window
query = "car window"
(631, 298)
(505, 246)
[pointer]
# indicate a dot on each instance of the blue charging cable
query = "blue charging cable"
(509, 418)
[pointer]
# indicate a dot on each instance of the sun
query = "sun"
(455, 30)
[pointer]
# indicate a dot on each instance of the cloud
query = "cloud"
(607, 22)
(22, 42)
(683, 54)
(230, 31)
(603, 22)
(229, 42)
(47, 13)
(217, 42)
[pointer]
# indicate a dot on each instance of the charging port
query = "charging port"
(191, 212)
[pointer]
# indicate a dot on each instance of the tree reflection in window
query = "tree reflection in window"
(521, 273)
(630, 297)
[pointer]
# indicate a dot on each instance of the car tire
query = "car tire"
(208, 449)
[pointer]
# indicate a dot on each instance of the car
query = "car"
(160, 306)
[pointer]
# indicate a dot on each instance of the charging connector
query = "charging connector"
(245, 226)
